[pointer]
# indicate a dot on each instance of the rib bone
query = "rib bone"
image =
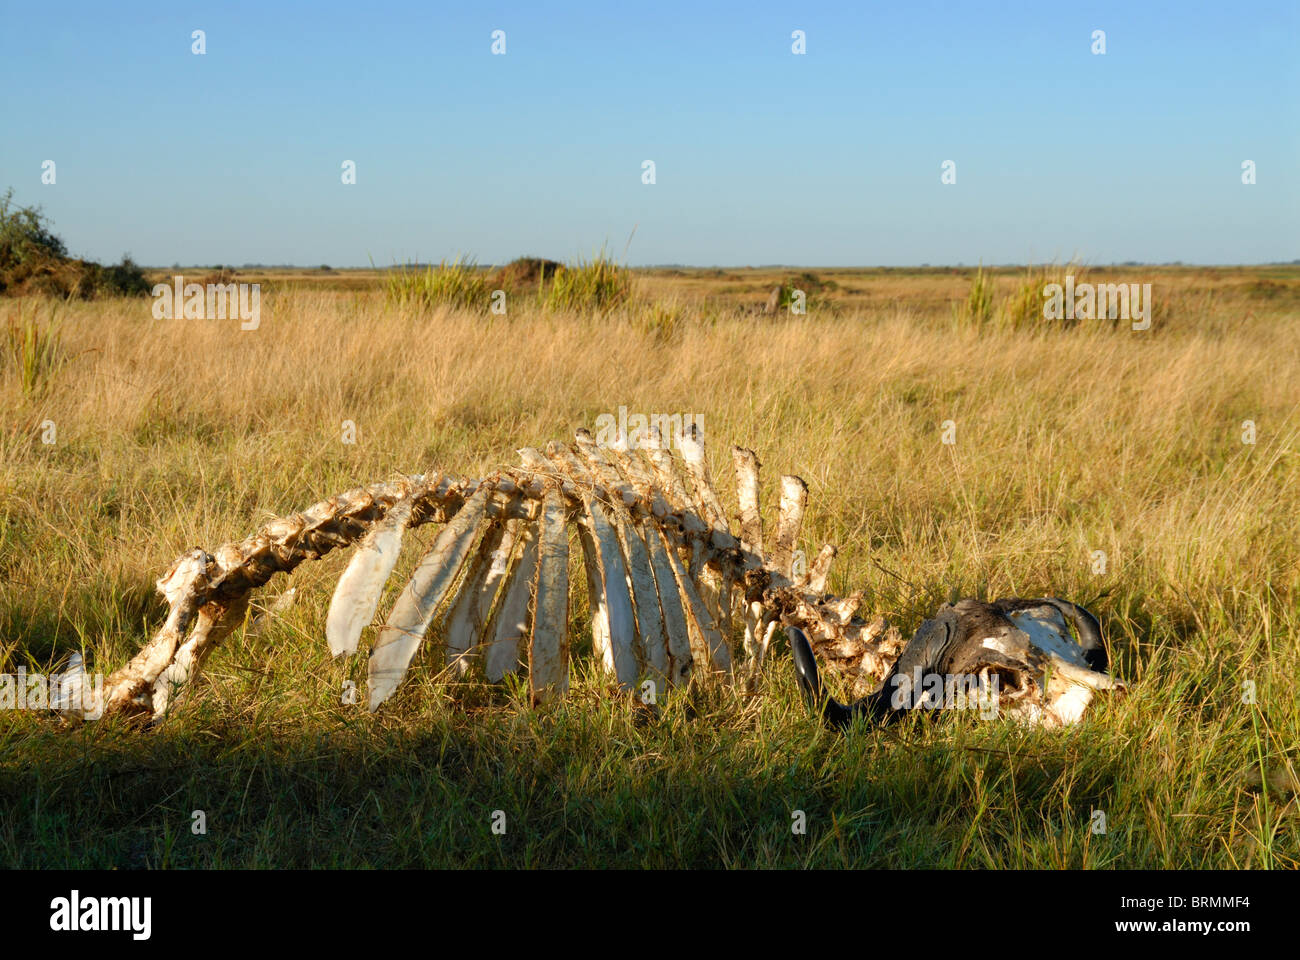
(548, 652)
(662, 572)
(418, 603)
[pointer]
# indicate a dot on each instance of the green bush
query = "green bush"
(26, 243)
(25, 234)
(34, 260)
(596, 284)
(661, 320)
(124, 279)
(459, 283)
(1022, 309)
(977, 312)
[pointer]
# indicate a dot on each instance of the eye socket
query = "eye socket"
(1010, 682)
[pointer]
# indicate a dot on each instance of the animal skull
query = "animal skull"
(1016, 656)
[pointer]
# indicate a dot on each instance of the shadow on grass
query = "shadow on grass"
(569, 788)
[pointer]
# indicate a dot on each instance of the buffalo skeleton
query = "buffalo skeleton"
(666, 579)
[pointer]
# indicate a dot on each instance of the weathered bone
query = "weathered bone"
(548, 650)
(820, 570)
(613, 583)
(214, 623)
(717, 587)
(707, 644)
(660, 560)
(357, 595)
(618, 600)
(699, 583)
(794, 499)
(751, 539)
(513, 622)
(469, 611)
(185, 587)
(418, 603)
(751, 520)
(670, 604)
(645, 593)
(597, 605)
(973, 642)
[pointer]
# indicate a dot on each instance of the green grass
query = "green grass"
(1068, 441)
(31, 348)
(596, 284)
(714, 780)
(459, 283)
(1022, 308)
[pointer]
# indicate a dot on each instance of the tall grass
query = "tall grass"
(458, 283)
(1022, 307)
(977, 312)
(32, 348)
(1068, 443)
(596, 284)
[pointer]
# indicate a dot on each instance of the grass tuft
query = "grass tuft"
(598, 284)
(459, 283)
(32, 348)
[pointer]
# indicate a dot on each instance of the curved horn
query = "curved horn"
(1089, 630)
(835, 714)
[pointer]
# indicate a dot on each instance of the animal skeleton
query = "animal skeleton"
(664, 575)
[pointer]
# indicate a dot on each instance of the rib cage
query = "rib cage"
(664, 572)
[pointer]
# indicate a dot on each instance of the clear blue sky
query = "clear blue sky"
(762, 157)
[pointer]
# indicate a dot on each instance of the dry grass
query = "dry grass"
(180, 433)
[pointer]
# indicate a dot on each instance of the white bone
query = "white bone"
(356, 596)
(469, 611)
(548, 650)
(512, 628)
(419, 601)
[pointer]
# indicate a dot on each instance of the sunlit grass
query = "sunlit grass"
(458, 283)
(596, 284)
(181, 433)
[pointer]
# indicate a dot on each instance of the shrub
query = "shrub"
(1022, 309)
(526, 272)
(661, 320)
(34, 260)
(124, 279)
(26, 243)
(459, 283)
(25, 234)
(597, 284)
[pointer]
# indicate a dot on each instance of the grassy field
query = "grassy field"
(177, 433)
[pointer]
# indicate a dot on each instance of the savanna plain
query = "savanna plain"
(1173, 451)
